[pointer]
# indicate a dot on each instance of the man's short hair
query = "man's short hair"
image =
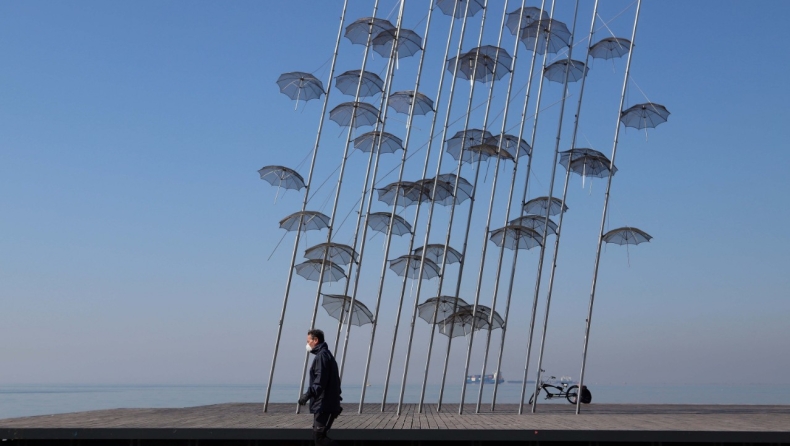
(317, 334)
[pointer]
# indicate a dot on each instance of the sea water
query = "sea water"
(38, 399)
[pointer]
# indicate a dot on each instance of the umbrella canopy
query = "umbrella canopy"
(370, 140)
(370, 84)
(463, 321)
(358, 31)
(541, 30)
(577, 153)
(536, 223)
(457, 8)
(556, 71)
(466, 138)
(305, 220)
(539, 205)
(443, 306)
(362, 113)
(435, 253)
(336, 252)
(401, 102)
(409, 265)
(496, 321)
(300, 86)
(610, 47)
(465, 188)
(529, 14)
(282, 176)
(443, 194)
(513, 145)
(626, 236)
(311, 270)
(514, 236)
(337, 305)
(484, 63)
(380, 221)
(592, 166)
(404, 193)
(409, 43)
(642, 116)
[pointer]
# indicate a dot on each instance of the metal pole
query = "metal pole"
(605, 207)
(304, 207)
(568, 171)
(337, 195)
(548, 208)
(490, 207)
(507, 211)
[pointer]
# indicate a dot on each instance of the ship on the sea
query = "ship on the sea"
(486, 379)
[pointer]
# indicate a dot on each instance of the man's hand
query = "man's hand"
(303, 399)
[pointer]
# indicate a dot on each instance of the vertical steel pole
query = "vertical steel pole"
(304, 207)
(338, 188)
(548, 208)
(605, 207)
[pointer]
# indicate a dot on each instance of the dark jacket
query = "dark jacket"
(324, 387)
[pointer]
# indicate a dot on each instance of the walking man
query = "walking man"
(323, 390)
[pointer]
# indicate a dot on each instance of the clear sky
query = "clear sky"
(135, 232)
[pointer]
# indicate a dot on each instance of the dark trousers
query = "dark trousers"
(322, 422)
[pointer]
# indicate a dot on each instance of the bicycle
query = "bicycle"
(570, 393)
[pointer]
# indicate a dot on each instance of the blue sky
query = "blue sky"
(135, 232)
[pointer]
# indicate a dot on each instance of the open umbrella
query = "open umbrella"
(435, 252)
(539, 205)
(457, 8)
(536, 223)
(496, 322)
(281, 176)
(336, 252)
(363, 113)
(380, 221)
(485, 63)
(370, 84)
(311, 270)
(358, 31)
(338, 305)
(305, 221)
(642, 116)
(610, 47)
(465, 188)
(466, 138)
(554, 31)
(370, 140)
(409, 266)
(403, 193)
(626, 236)
(443, 195)
(511, 144)
(300, 86)
(529, 13)
(443, 306)
(401, 102)
(514, 236)
(556, 71)
(409, 43)
(463, 321)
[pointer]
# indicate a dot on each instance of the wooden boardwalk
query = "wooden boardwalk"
(554, 422)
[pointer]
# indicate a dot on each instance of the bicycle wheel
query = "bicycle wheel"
(572, 394)
(532, 397)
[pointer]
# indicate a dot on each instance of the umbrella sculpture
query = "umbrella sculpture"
(642, 116)
(305, 221)
(541, 30)
(380, 221)
(511, 144)
(443, 306)
(370, 140)
(576, 154)
(409, 265)
(358, 31)
(465, 188)
(486, 63)
(592, 166)
(370, 84)
(443, 194)
(514, 236)
(336, 252)
(300, 86)
(456, 8)
(409, 43)
(281, 176)
(435, 253)
(362, 113)
(403, 193)
(401, 102)
(463, 321)
(610, 47)
(311, 270)
(538, 206)
(556, 71)
(466, 138)
(527, 15)
(497, 321)
(536, 223)
(626, 236)
(337, 305)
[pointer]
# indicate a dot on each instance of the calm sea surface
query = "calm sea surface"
(25, 400)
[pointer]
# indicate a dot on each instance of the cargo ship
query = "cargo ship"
(485, 379)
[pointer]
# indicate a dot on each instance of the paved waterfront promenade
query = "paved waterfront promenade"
(242, 423)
